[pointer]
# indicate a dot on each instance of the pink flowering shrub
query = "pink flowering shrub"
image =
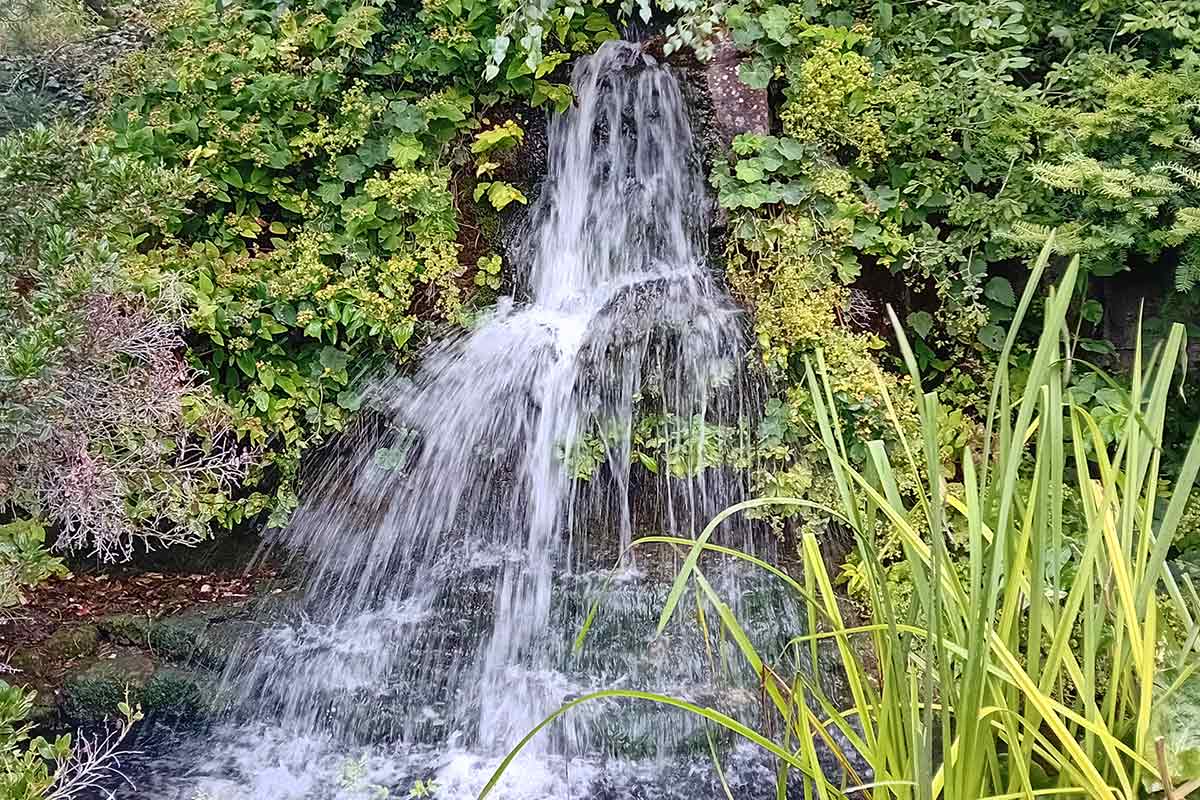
(106, 433)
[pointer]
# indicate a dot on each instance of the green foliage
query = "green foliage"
(682, 446)
(24, 765)
(923, 153)
(495, 141)
(37, 769)
(104, 431)
(1000, 680)
(487, 272)
(24, 560)
(1177, 721)
(328, 138)
(780, 265)
(944, 142)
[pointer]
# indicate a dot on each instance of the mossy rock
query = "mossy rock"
(222, 639)
(177, 638)
(177, 693)
(127, 629)
(72, 642)
(27, 662)
(93, 694)
(171, 638)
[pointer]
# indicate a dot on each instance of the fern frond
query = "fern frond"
(1187, 273)
(1189, 143)
(1187, 220)
(1068, 177)
(1067, 239)
(1189, 175)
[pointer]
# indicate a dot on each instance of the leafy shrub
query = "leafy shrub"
(37, 769)
(942, 143)
(330, 141)
(24, 561)
(104, 431)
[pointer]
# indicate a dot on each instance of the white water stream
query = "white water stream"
(454, 559)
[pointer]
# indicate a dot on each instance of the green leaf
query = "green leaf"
(558, 94)
(334, 359)
(246, 364)
(777, 23)
(349, 168)
(756, 73)
(1097, 346)
(349, 400)
(550, 63)
(501, 137)
(848, 268)
(1001, 291)
(744, 27)
(791, 149)
(231, 176)
(405, 150)
(405, 116)
(205, 284)
(500, 194)
(921, 322)
(749, 170)
(187, 127)
(992, 336)
(331, 191)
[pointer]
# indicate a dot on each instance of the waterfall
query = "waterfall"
(453, 558)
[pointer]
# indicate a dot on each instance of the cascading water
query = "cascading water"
(454, 559)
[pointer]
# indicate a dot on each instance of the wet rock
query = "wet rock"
(127, 629)
(221, 640)
(92, 694)
(72, 642)
(178, 638)
(737, 108)
(177, 693)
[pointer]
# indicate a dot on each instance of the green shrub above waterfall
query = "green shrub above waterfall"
(331, 143)
(931, 149)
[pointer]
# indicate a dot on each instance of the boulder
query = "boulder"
(737, 108)
(73, 641)
(177, 693)
(92, 693)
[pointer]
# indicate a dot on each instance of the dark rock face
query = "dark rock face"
(736, 107)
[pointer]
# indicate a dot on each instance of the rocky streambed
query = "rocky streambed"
(84, 642)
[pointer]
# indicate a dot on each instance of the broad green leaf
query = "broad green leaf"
(334, 359)
(1001, 291)
(921, 322)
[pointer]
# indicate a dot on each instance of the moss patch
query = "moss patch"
(92, 694)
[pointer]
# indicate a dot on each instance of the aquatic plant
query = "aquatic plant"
(1018, 675)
